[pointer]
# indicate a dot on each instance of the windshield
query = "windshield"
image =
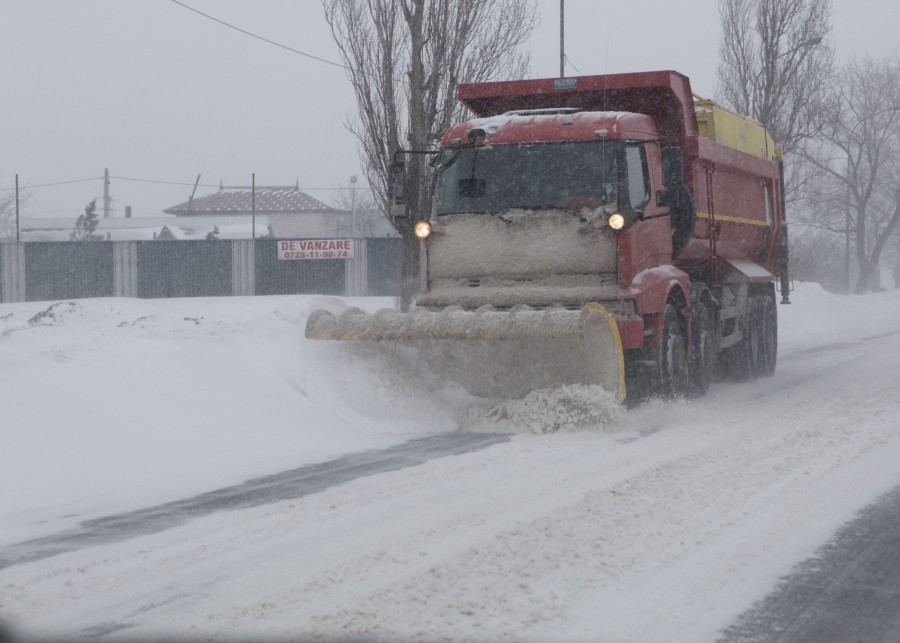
(495, 178)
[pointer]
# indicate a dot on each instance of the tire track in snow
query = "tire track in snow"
(286, 485)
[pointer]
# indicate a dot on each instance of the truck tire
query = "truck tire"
(740, 362)
(755, 337)
(768, 337)
(672, 359)
(703, 357)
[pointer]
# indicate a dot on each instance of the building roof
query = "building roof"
(239, 200)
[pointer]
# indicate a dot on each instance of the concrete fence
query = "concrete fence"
(40, 271)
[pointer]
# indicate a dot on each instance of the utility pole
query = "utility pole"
(253, 206)
(106, 193)
(847, 252)
(562, 38)
(18, 227)
(847, 230)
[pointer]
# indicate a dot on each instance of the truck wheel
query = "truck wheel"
(740, 361)
(768, 336)
(703, 358)
(672, 362)
(755, 337)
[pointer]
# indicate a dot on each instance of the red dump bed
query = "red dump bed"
(738, 201)
(665, 96)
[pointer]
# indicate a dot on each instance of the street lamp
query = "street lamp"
(761, 89)
(805, 44)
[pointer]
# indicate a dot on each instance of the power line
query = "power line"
(126, 178)
(44, 185)
(213, 185)
(271, 42)
(572, 65)
(162, 182)
(278, 44)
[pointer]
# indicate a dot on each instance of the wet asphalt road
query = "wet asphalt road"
(848, 593)
(286, 485)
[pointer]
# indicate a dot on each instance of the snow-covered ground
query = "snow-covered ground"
(657, 524)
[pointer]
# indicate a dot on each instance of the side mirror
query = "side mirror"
(397, 189)
(672, 167)
(664, 198)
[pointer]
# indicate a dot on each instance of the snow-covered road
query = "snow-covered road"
(662, 524)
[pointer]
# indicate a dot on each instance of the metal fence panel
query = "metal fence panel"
(385, 258)
(184, 268)
(243, 268)
(12, 272)
(149, 269)
(68, 270)
(295, 277)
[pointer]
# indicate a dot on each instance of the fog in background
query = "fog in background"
(159, 94)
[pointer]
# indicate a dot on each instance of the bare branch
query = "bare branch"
(776, 63)
(857, 153)
(406, 58)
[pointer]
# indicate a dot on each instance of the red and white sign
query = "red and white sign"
(315, 249)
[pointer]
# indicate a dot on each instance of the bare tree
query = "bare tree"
(405, 59)
(367, 219)
(8, 217)
(775, 66)
(813, 253)
(858, 154)
(776, 63)
(8, 205)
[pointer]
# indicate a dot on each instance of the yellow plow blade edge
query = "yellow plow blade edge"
(496, 353)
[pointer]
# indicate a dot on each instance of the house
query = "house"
(231, 213)
(279, 211)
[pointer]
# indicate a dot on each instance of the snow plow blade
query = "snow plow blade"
(495, 353)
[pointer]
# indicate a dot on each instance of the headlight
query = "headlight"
(423, 229)
(616, 221)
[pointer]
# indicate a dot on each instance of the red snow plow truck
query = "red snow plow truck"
(600, 230)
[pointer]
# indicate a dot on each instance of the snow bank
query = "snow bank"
(569, 408)
(114, 404)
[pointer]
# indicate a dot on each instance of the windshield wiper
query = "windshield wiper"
(536, 207)
(554, 208)
(490, 212)
(493, 214)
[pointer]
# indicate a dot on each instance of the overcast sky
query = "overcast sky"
(156, 92)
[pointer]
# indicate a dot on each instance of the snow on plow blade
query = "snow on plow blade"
(496, 353)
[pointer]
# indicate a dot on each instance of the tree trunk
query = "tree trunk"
(867, 270)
